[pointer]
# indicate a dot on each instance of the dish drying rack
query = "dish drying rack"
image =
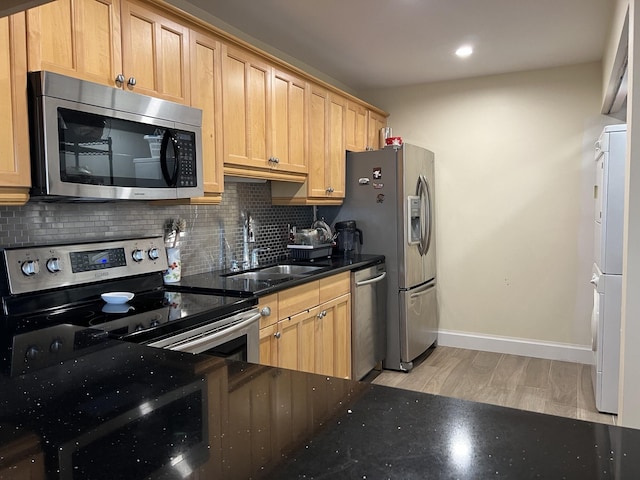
(311, 252)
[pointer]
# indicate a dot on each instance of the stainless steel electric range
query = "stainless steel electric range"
(52, 305)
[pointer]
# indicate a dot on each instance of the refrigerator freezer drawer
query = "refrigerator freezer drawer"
(419, 324)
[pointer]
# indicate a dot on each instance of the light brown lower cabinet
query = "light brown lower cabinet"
(309, 327)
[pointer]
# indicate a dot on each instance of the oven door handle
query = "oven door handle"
(219, 337)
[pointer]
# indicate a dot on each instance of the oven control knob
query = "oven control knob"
(139, 327)
(154, 323)
(55, 346)
(30, 267)
(32, 353)
(53, 265)
(138, 255)
(154, 254)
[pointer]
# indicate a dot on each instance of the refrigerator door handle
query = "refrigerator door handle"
(418, 292)
(425, 214)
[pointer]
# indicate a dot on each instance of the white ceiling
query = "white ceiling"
(381, 43)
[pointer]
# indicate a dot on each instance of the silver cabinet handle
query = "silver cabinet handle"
(369, 281)
(265, 312)
(330, 190)
(120, 78)
(132, 81)
(277, 334)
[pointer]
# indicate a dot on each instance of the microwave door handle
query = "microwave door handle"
(170, 178)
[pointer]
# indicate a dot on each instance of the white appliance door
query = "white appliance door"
(605, 331)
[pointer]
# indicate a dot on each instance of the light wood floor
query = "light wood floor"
(538, 385)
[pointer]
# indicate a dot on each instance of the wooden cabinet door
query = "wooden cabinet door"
(374, 123)
(269, 345)
(356, 134)
(318, 141)
(296, 347)
(333, 337)
(79, 38)
(155, 52)
(15, 172)
(206, 94)
(246, 91)
(289, 151)
(336, 169)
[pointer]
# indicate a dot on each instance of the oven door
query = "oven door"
(236, 337)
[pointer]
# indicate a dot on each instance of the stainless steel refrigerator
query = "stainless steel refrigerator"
(390, 194)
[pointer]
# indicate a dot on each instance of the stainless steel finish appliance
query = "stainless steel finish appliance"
(51, 305)
(390, 193)
(368, 319)
(241, 330)
(93, 142)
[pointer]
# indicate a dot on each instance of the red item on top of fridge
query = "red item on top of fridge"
(395, 141)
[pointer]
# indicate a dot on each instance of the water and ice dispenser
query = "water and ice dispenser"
(413, 223)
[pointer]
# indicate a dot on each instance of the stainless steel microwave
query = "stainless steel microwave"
(94, 142)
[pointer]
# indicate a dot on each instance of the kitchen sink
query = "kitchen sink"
(276, 272)
(291, 269)
(259, 275)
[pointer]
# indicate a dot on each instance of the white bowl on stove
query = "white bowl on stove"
(117, 297)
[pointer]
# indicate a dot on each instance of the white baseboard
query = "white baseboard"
(517, 346)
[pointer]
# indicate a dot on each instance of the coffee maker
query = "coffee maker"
(348, 236)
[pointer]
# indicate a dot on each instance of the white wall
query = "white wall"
(514, 183)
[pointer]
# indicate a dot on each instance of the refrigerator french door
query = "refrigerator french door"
(390, 193)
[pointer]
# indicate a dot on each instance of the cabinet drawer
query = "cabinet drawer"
(334, 286)
(269, 302)
(297, 299)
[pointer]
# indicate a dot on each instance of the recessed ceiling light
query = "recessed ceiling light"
(464, 51)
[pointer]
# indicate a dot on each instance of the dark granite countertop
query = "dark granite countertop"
(225, 283)
(122, 410)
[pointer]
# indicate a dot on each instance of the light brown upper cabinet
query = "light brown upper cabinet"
(121, 43)
(263, 117)
(356, 133)
(375, 122)
(363, 126)
(325, 184)
(15, 173)
(289, 122)
(206, 94)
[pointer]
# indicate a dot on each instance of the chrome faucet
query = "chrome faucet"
(247, 237)
(254, 255)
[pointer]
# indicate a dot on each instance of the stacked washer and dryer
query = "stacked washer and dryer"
(607, 268)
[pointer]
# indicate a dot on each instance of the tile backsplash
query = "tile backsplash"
(213, 236)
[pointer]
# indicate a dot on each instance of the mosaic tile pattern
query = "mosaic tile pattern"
(213, 236)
